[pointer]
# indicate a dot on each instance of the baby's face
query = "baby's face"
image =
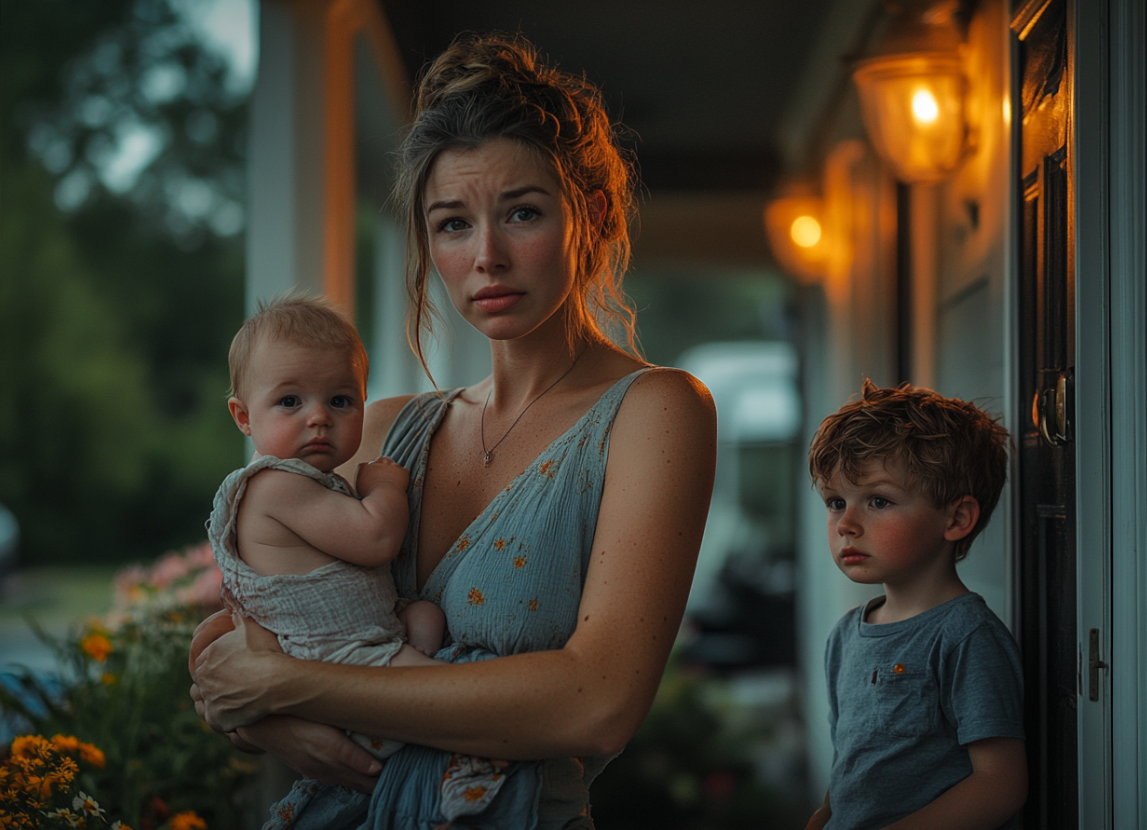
(301, 402)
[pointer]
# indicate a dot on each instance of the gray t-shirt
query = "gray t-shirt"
(905, 698)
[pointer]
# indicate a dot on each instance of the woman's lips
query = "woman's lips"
(494, 299)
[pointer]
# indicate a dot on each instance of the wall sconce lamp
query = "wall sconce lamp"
(795, 229)
(912, 91)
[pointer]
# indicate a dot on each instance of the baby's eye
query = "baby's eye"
(289, 401)
(834, 504)
(524, 213)
(879, 502)
(340, 401)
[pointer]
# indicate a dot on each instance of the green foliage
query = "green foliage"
(123, 689)
(690, 766)
(117, 304)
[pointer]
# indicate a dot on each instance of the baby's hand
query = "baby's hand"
(378, 472)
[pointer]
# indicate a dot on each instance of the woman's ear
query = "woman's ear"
(598, 207)
(963, 514)
(239, 415)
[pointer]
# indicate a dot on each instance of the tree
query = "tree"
(121, 284)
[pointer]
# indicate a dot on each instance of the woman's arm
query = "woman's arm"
(586, 698)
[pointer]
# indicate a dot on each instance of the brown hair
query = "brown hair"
(297, 318)
(485, 87)
(948, 448)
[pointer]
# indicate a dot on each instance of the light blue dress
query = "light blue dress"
(511, 583)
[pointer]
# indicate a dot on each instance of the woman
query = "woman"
(557, 505)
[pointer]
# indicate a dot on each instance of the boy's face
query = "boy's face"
(301, 402)
(881, 530)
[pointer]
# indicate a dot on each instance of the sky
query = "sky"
(231, 26)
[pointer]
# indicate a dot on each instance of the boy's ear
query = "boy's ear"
(239, 414)
(963, 514)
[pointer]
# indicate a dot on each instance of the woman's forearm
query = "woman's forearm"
(536, 705)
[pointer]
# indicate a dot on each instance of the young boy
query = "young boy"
(924, 682)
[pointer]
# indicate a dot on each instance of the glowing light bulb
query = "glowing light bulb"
(924, 107)
(805, 231)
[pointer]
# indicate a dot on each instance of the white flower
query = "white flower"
(87, 804)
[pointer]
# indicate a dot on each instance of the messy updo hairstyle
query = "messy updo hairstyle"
(485, 87)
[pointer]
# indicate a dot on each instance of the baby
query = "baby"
(924, 682)
(300, 553)
(305, 557)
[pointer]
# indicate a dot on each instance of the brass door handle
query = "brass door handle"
(1052, 408)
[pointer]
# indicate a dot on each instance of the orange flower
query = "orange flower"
(187, 821)
(92, 755)
(66, 743)
(475, 597)
(533, 604)
(96, 646)
(519, 561)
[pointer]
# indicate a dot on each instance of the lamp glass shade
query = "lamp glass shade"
(913, 109)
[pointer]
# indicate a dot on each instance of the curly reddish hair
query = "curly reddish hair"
(948, 448)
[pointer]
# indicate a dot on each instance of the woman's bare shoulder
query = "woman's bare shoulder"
(377, 421)
(670, 391)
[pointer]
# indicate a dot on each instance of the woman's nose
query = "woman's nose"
(491, 255)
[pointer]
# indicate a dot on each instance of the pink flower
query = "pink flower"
(200, 556)
(169, 568)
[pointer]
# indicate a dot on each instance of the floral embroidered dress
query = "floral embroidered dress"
(512, 583)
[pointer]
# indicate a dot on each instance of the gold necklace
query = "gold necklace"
(488, 454)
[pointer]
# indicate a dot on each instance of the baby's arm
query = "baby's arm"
(993, 793)
(366, 532)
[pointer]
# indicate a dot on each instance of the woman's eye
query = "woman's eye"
(340, 401)
(524, 213)
(879, 502)
(452, 225)
(290, 401)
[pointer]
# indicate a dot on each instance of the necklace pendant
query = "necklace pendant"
(487, 457)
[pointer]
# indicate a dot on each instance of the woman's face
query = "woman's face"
(500, 237)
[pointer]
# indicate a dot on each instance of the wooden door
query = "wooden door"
(1042, 96)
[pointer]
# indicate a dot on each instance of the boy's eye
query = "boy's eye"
(340, 401)
(879, 502)
(289, 401)
(835, 504)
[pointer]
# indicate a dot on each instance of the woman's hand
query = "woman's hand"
(231, 665)
(315, 750)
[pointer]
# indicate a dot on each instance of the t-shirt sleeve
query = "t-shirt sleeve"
(983, 688)
(831, 667)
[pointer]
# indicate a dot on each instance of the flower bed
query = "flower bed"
(120, 695)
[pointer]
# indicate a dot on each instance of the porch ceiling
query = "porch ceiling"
(701, 85)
